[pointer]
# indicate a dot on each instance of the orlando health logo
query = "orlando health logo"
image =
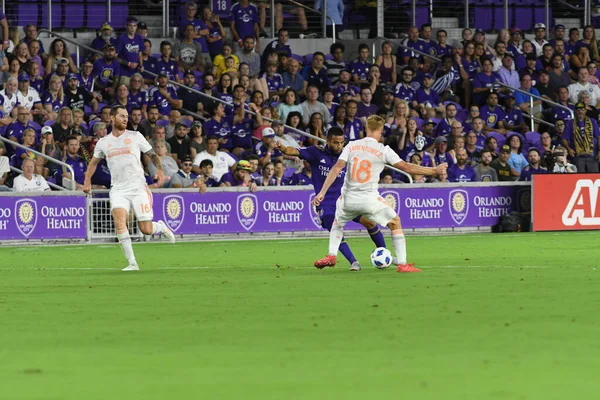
(247, 210)
(26, 215)
(459, 205)
(173, 211)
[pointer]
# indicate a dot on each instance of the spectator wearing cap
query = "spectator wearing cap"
(62, 71)
(515, 47)
(188, 52)
(14, 131)
(164, 96)
(239, 177)
(484, 81)
(219, 126)
(427, 97)
(534, 167)
(129, 47)
(221, 161)
(581, 141)
(461, 171)
(529, 68)
(185, 178)
(513, 117)
(412, 42)
(483, 171)
(540, 38)
(191, 100)
(559, 33)
(58, 50)
(28, 96)
(106, 36)
(77, 96)
(266, 150)
(583, 84)
(440, 152)
(142, 29)
(48, 147)
(166, 64)
(106, 73)
(180, 143)
(197, 139)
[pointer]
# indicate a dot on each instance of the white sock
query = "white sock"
(125, 242)
(335, 238)
(399, 243)
(156, 228)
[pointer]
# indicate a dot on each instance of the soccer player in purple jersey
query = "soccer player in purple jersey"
(321, 161)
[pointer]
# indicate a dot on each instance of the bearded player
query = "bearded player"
(122, 150)
(321, 160)
(365, 159)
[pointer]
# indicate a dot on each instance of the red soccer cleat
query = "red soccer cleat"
(407, 268)
(328, 261)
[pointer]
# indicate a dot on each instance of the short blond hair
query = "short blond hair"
(375, 123)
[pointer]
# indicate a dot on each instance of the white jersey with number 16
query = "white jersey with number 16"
(365, 160)
(123, 158)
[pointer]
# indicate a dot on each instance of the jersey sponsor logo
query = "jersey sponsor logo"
(119, 152)
(173, 211)
(26, 214)
(459, 205)
(247, 210)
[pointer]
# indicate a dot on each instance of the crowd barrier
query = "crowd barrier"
(231, 211)
(565, 202)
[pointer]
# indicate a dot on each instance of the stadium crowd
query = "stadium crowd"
(461, 110)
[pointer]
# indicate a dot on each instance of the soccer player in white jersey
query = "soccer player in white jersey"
(122, 150)
(366, 159)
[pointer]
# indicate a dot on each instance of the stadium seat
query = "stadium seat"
(186, 122)
(500, 138)
(49, 123)
(298, 58)
(162, 122)
(419, 122)
(37, 127)
(533, 138)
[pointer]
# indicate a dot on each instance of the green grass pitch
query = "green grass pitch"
(491, 317)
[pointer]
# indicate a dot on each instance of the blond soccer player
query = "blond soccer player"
(366, 159)
(122, 150)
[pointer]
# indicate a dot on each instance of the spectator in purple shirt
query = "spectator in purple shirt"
(365, 107)
(164, 96)
(492, 115)
(239, 177)
(534, 167)
(106, 73)
(360, 67)
(426, 96)
(412, 42)
(219, 126)
(461, 171)
(166, 64)
(4, 25)
(245, 22)
(106, 36)
(75, 161)
(130, 46)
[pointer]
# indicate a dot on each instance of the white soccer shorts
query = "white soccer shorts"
(371, 206)
(140, 201)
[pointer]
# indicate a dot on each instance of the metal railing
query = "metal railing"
(531, 97)
(37, 153)
(201, 93)
(434, 58)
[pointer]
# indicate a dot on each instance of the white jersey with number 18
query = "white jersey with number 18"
(123, 158)
(365, 160)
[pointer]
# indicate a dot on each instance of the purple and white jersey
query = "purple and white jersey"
(129, 50)
(244, 19)
(220, 130)
(456, 174)
(138, 99)
(56, 103)
(471, 67)
(443, 158)
(87, 84)
(441, 51)
(353, 129)
(491, 117)
(157, 99)
(103, 71)
(366, 110)
(79, 167)
(241, 134)
(37, 83)
(340, 89)
(216, 46)
(357, 67)
(274, 83)
(419, 45)
(513, 117)
(261, 150)
(444, 128)
(169, 67)
(16, 130)
(321, 161)
(405, 93)
(432, 98)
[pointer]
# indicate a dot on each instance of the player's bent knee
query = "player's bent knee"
(367, 223)
(394, 224)
(146, 227)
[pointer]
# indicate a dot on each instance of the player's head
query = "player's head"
(336, 139)
(119, 117)
(375, 126)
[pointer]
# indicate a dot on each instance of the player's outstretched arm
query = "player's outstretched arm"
(287, 150)
(160, 176)
(91, 169)
(333, 174)
(418, 170)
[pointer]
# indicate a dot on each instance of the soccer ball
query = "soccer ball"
(381, 258)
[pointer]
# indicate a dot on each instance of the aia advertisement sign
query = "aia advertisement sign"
(566, 202)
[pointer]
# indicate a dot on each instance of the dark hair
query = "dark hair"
(115, 109)
(423, 26)
(165, 43)
(288, 120)
(488, 140)
(220, 87)
(252, 157)
(485, 150)
(277, 161)
(335, 46)
(70, 138)
(318, 53)
(295, 95)
(363, 46)
(135, 109)
(450, 104)
(336, 111)
(249, 36)
(573, 30)
(442, 30)
(207, 162)
(335, 131)
(211, 138)
(509, 139)
(239, 86)
(148, 41)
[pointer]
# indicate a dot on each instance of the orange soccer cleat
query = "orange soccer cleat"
(328, 261)
(407, 268)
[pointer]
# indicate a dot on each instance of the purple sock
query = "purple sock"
(377, 237)
(345, 250)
